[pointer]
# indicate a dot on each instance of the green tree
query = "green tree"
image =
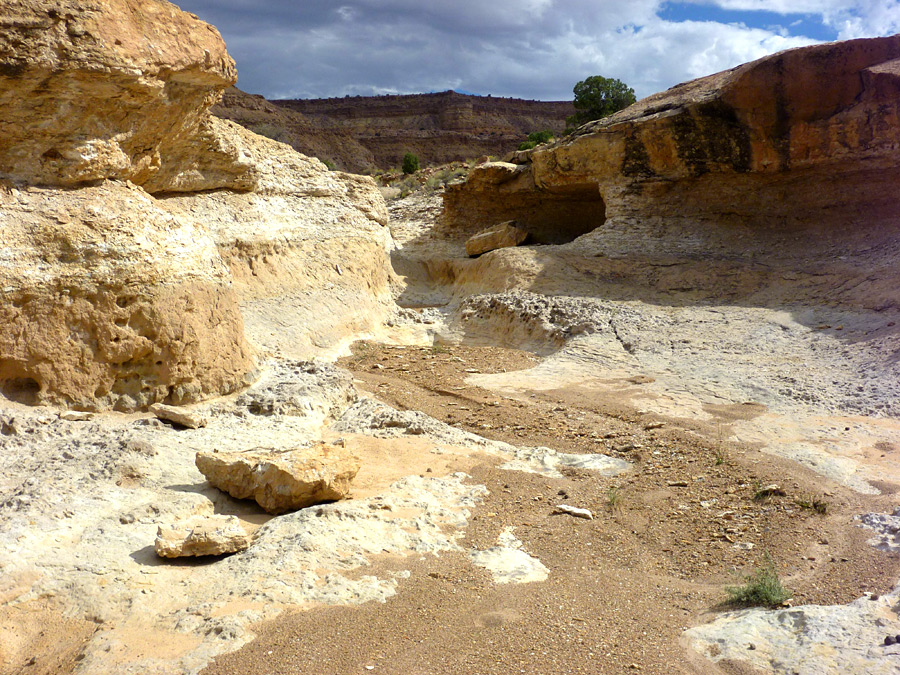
(410, 163)
(536, 138)
(597, 97)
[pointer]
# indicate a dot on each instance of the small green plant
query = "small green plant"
(438, 348)
(762, 588)
(329, 164)
(762, 493)
(410, 163)
(614, 497)
(536, 138)
(811, 503)
(721, 455)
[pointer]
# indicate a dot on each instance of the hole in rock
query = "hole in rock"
(23, 390)
(549, 217)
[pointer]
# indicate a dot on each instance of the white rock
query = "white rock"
(201, 535)
(575, 511)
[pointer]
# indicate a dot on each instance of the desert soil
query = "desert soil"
(666, 538)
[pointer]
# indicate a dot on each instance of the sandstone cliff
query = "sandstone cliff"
(127, 211)
(359, 133)
(788, 161)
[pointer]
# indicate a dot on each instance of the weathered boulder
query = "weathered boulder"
(107, 300)
(503, 235)
(201, 535)
(178, 416)
(282, 480)
(94, 90)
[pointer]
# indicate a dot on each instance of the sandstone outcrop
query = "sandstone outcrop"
(128, 213)
(282, 480)
(201, 535)
(789, 158)
(108, 300)
(94, 90)
(503, 235)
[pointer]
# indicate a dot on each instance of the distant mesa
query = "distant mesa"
(362, 133)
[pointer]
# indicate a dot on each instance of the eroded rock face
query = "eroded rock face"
(107, 300)
(791, 158)
(111, 297)
(94, 90)
(282, 480)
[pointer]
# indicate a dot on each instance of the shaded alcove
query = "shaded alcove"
(549, 217)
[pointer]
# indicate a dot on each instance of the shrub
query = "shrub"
(410, 163)
(536, 138)
(762, 588)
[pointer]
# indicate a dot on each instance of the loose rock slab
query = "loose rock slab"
(503, 235)
(201, 535)
(177, 416)
(282, 480)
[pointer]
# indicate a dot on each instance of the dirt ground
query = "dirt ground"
(667, 537)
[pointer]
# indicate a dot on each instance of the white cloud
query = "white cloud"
(850, 18)
(523, 48)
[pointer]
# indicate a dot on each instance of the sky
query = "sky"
(532, 49)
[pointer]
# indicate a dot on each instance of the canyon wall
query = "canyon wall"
(438, 128)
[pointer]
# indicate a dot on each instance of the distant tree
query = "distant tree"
(410, 163)
(597, 97)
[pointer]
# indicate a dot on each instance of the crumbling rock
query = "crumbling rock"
(282, 480)
(201, 535)
(503, 235)
(107, 300)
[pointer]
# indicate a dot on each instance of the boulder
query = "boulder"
(178, 416)
(282, 480)
(503, 235)
(201, 535)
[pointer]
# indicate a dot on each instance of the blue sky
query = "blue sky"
(534, 49)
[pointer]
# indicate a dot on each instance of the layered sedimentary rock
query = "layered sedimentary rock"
(282, 480)
(307, 135)
(128, 211)
(791, 158)
(439, 128)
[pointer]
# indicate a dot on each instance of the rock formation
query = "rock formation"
(788, 158)
(117, 280)
(282, 480)
(201, 535)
